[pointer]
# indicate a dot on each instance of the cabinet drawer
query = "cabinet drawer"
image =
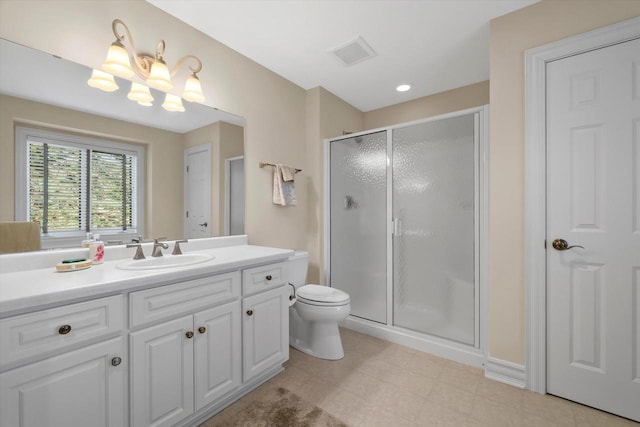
(263, 278)
(186, 297)
(58, 328)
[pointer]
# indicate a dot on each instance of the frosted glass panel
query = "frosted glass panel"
(433, 251)
(358, 223)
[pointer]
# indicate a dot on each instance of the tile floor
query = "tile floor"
(384, 384)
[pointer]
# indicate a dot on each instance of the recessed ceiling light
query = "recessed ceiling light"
(403, 88)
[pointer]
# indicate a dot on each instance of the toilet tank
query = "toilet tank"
(298, 263)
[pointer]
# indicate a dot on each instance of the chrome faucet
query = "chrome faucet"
(158, 247)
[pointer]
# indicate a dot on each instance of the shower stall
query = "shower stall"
(406, 221)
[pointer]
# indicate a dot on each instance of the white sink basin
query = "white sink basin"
(166, 261)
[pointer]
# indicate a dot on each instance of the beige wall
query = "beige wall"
(273, 107)
(327, 116)
(162, 147)
(511, 35)
(449, 101)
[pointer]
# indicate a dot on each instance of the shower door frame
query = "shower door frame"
(476, 354)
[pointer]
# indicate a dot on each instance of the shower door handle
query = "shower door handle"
(397, 227)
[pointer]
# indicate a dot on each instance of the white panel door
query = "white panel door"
(76, 389)
(218, 363)
(593, 200)
(162, 373)
(197, 192)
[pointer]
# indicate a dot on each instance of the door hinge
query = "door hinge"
(187, 169)
(545, 243)
(187, 214)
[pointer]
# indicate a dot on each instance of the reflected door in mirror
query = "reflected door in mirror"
(198, 191)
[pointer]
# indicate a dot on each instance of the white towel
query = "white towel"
(284, 192)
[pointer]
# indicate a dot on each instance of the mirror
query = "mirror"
(54, 83)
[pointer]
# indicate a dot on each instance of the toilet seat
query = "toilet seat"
(322, 296)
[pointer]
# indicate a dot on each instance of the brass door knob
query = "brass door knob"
(250, 312)
(189, 334)
(562, 245)
(202, 329)
(269, 277)
(64, 329)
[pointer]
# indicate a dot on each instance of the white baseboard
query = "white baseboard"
(505, 372)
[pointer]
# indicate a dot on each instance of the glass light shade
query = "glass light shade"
(140, 93)
(101, 80)
(159, 77)
(173, 103)
(117, 61)
(193, 90)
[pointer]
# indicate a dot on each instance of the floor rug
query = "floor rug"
(273, 406)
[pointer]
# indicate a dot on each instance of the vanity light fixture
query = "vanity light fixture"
(140, 93)
(173, 103)
(104, 81)
(152, 69)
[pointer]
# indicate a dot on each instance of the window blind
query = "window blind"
(71, 188)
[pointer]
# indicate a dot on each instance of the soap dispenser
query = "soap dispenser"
(96, 250)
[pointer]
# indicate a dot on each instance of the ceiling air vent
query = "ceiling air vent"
(353, 52)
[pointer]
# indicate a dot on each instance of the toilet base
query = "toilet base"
(317, 338)
(325, 342)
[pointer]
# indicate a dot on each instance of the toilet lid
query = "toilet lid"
(322, 294)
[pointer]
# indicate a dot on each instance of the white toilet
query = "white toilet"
(314, 317)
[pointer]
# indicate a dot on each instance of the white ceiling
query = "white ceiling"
(435, 45)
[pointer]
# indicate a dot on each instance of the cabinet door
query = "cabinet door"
(217, 352)
(162, 373)
(80, 388)
(266, 331)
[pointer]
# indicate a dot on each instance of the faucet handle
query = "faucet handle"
(139, 254)
(176, 247)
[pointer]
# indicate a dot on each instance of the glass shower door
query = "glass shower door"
(358, 262)
(434, 213)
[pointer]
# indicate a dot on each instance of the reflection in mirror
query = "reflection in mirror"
(30, 100)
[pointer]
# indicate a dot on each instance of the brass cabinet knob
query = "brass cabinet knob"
(202, 329)
(250, 312)
(116, 361)
(269, 277)
(64, 329)
(189, 334)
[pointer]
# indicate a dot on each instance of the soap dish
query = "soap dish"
(73, 266)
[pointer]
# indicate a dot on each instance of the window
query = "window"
(72, 185)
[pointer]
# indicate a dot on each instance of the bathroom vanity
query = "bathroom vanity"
(158, 346)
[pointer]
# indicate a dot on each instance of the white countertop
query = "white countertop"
(30, 289)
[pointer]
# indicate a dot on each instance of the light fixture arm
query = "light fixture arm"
(143, 62)
(194, 69)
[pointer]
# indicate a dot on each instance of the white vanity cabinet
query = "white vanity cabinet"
(170, 347)
(182, 365)
(265, 318)
(83, 383)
